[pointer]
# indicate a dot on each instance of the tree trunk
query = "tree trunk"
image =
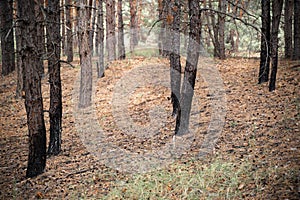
(85, 96)
(175, 66)
(265, 49)
(276, 14)
(39, 7)
(33, 94)
(55, 110)
(63, 28)
(296, 55)
(221, 27)
(160, 36)
(187, 91)
(100, 40)
(288, 29)
(92, 26)
(7, 37)
(69, 49)
(133, 25)
(215, 28)
(110, 30)
(20, 70)
(121, 46)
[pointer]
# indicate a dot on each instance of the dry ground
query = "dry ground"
(261, 128)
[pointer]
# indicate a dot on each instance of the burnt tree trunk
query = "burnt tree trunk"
(7, 36)
(175, 66)
(187, 91)
(69, 45)
(121, 46)
(265, 49)
(296, 54)
(276, 14)
(288, 29)
(100, 39)
(85, 96)
(33, 94)
(110, 30)
(55, 110)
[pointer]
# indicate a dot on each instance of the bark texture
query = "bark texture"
(33, 95)
(121, 46)
(296, 55)
(55, 110)
(276, 14)
(175, 66)
(85, 96)
(100, 40)
(187, 91)
(110, 30)
(133, 24)
(69, 48)
(7, 36)
(288, 28)
(265, 49)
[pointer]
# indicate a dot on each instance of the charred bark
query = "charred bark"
(55, 110)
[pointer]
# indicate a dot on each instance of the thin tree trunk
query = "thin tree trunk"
(55, 110)
(296, 55)
(69, 49)
(85, 96)
(20, 70)
(110, 30)
(169, 20)
(175, 66)
(160, 36)
(276, 14)
(33, 93)
(216, 34)
(221, 31)
(7, 37)
(288, 29)
(100, 39)
(63, 28)
(121, 46)
(187, 91)
(265, 49)
(39, 7)
(133, 25)
(92, 29)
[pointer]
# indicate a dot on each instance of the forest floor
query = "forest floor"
(256, 156)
